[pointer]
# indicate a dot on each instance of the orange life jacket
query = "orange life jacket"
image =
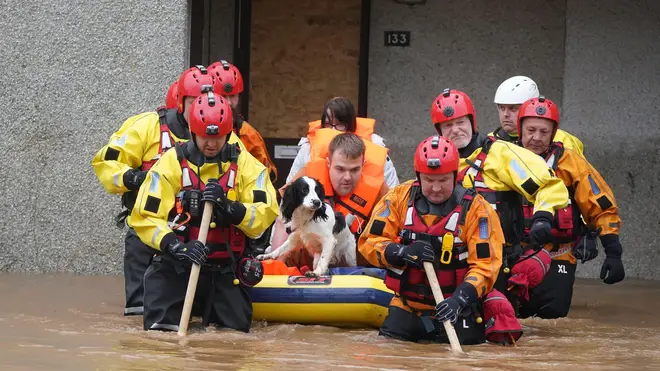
(364, 196)
(224, 234)
(412, 284)
(364, 128)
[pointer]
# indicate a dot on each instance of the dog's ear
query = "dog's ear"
(290, 201)
(320, 191)
(340, 223)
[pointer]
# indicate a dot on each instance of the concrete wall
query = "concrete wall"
(222, 30)
(611, 90)
(463, 45)
(72, 75)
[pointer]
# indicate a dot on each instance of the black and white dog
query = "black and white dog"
(314, 225)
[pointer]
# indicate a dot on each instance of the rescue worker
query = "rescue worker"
(592, 200)
(434, 219)
(170, 98)
(513, 92)
(167, 216)
(501, 172)
(121, 167)
(229, 83)
(351, 171)
(339, 114)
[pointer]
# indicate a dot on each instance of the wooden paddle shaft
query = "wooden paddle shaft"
(194, 272)
(437, 294)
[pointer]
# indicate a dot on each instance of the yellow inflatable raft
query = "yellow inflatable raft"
(349, 297)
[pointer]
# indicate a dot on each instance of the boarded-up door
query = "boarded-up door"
(302, 53)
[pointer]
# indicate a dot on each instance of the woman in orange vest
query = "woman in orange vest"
(339, 114)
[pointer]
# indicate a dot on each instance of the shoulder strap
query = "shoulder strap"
(162, 112)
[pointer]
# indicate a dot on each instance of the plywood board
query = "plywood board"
(303, 52)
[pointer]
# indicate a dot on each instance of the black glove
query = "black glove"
(450, 308)
(250, 272)
(586, 248)
(133, 178)
(540, 232)
(415, 254)
(194, 251)
(612, 266)
(226, 210)
(214, 192)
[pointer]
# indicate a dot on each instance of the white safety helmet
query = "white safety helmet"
(516, 90)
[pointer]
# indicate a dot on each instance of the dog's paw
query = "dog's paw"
(311, 274)
(262, 257)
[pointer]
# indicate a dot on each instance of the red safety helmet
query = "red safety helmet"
(228, 79)
(539, 107)
(210, 116)
(436, 155)
(170, 98)
(452, 104)
(193, 82)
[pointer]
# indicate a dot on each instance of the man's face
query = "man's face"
(233, 101)
(210, 146)
(537, 134)
(437, 188)
(509, 117)
(187, 102)
(345, 172)
(458, 130)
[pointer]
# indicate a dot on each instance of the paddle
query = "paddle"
(194, 272)
(437, 294)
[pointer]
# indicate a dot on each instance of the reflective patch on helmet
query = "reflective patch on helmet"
(520, 172)
(594, 186)
(155, 182)
(483, 228)
(385, 212)
(111, 154)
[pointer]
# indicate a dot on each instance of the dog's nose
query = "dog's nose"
(316, 203)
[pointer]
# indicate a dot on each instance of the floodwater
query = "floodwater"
(67, 322)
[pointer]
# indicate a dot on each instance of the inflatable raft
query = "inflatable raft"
(347, 297)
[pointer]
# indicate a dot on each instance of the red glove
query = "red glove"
(528, 272)
(502, 326)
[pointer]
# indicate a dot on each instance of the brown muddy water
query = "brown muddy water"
(67, 322)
